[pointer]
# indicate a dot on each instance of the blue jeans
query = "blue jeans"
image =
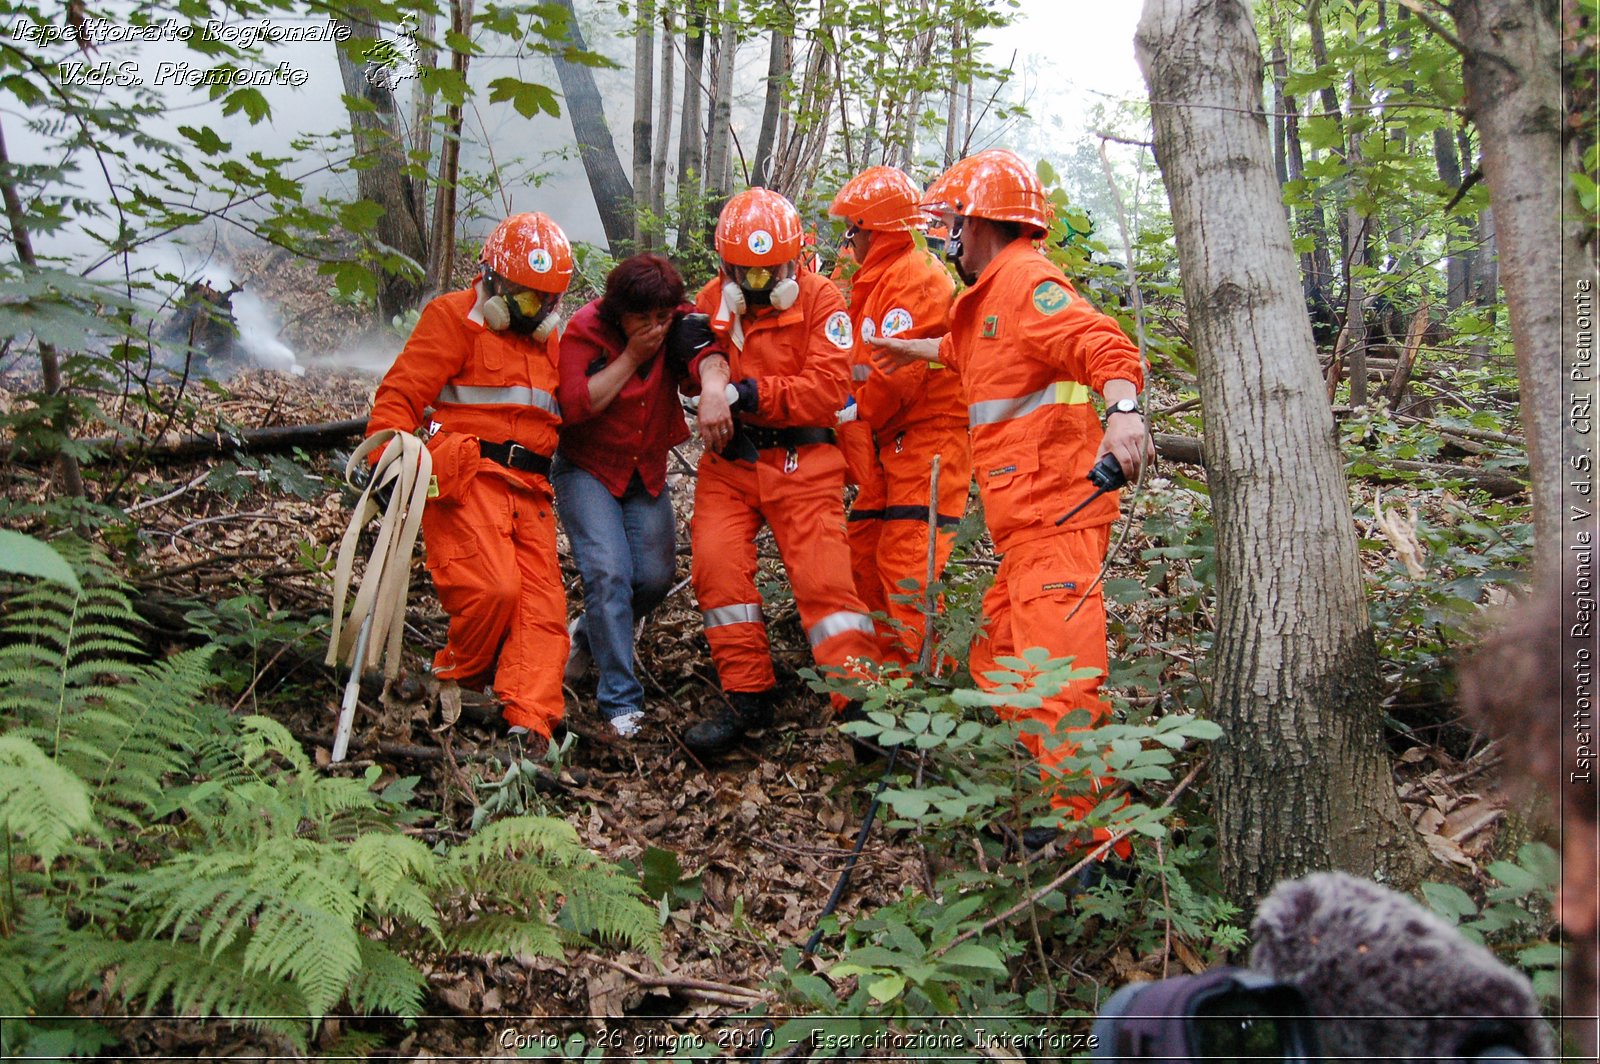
(624, 549)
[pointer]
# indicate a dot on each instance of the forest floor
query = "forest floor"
(762, 835)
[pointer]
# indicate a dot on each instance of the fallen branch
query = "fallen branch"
(686, 983)
(277, 438)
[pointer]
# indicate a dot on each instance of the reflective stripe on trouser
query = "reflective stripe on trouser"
(894, 547)
(994, 411)
(1039, 584)
(805, 511)
(493, 560)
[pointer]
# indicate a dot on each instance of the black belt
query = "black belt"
(515, 456)
(765, 439)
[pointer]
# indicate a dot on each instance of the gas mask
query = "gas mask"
(526, 313)
(952, 251)
(761, 286)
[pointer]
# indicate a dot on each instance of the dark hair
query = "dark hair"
(639, 284)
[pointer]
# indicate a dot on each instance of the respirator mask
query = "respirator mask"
(526, 312)
(760, 286)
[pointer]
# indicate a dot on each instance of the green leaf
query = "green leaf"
(250, 101)
(972, 955)
(528, 98)
(886, 989)
(32, 557)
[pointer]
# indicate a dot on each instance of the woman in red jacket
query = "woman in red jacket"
(621, 365)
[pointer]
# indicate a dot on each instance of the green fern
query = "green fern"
(201, 864)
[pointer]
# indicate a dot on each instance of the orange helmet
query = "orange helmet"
(530, 250)
(994, 184)
(880, 198)
(758, 227)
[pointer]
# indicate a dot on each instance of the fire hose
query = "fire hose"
(397, 489)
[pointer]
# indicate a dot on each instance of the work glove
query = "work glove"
(849, 413)
(743, 397)
(688, 337)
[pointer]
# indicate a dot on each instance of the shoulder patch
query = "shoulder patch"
(837, 328)
(991, 327)
(897, 321)
(1050, 297)
(869, 330)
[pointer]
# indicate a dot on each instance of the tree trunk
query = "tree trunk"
(691, 179)
(442, 231)
(1515, 96)
(378, 140)
(658, 170)
(644, 47)
(613, 195)
(777, 79)
(1302, 778)
(1456, 263)
(49, 361)
(719, 132)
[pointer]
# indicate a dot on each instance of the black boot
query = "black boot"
(747, 711)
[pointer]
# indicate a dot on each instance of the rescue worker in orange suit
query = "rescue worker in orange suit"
(766, 413)
(484, 362)
(897, 424)
(1030, 351)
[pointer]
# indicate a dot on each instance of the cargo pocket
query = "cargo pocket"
(455, 464)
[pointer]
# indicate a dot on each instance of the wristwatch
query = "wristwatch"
(1123, 406)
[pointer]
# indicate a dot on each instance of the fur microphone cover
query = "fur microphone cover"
(1390, 979)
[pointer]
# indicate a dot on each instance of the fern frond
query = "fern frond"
(607, 907)
(41, 802)
(316, 950)
(502, 934)
(518, 835)
(387, 982)
(397, 870)
(263, 735)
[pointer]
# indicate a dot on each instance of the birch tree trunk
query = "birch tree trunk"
(719, 132)
(777, 79)
(691, 179)
(644, 47)
(658, 168)
(1516, 98)
(613, 195)
(1302, 779)
(442, 227)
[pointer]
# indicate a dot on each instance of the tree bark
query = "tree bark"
(644, 47)
(442, 232)
(658, 169)
(613, 194)
(1302, 778)
(777, 79)
(691, 179)
(1515, 96)
(378, 140)
(719, 132)
(1457, 263)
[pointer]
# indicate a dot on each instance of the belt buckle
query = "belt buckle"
(512, 447)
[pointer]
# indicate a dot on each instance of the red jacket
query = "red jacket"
(901, 290)
(495, 386)
(637, 428)
(799, 357)
(1029, 350)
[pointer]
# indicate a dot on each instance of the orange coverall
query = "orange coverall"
(1029, 350)
(909, 416)
(490, 532)
(799, 360)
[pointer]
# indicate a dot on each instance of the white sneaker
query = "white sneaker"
(627, 725)
(578, 657)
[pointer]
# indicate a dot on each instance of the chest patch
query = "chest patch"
(869, 330)
(837, 329)
(897, 321)
(1002, 471)
(1049, 297)
(991, 327)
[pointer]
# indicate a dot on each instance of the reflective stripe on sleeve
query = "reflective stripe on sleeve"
(860, 372)
(837, 624)
(994, 411)
(740, 613)
(473, 395)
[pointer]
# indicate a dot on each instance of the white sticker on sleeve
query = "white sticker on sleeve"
(897, 321)
(838, 330)
(868, 330)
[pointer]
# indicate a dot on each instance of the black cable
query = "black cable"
(850, 862)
